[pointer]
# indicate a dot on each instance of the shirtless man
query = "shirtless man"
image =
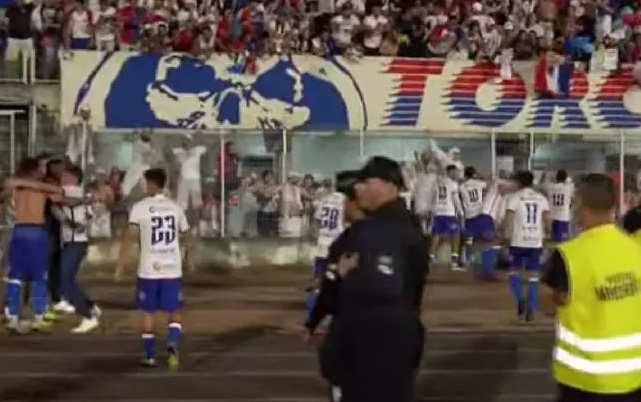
(29, 245)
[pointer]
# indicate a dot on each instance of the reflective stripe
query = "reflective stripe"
(597, 345)
(620, 366)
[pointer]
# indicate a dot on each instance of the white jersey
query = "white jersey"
(189, 160)
(447, 202)
(331, 216)
(424, 190)
(472, 197)
(161, 221)
(528, 206)
(493, 201)
(560, 199)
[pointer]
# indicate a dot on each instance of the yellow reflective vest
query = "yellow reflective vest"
(598, 341)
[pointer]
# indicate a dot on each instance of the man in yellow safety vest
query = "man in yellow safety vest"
(596, 287)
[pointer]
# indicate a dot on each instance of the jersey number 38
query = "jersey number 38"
(163, 230)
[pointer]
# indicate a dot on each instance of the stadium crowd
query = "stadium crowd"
(479, 30)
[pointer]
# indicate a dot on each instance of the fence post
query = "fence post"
(621, 170)
(12, 142)
(493, 151)
(531, 150)
(33, 129)
(222, 168)
(283, 158)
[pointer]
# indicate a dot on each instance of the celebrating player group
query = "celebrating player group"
(480, 220)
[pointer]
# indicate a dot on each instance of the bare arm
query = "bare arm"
(34, 185)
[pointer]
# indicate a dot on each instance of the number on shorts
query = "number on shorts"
(474, 196)
(558, 200)
(531, 210)
(442, 192)
(163, 229)
(329, 218)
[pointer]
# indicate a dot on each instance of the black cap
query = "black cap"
(346, 180)
(384, 168)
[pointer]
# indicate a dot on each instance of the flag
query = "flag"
(552, 80)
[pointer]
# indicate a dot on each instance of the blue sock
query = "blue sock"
(149, 345)
(469, 251)
(173, 335)
(14, 291)
(39, 297)
(319, 266)
(532, 294)
(516, 285)
(311, 302)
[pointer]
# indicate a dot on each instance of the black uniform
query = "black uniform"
(375, 344)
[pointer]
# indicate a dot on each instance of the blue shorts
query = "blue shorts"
(28, 253)
(560, 231)
(481, 228)
(525, 257)
(159, 295)
(320, 264)
(445, 226)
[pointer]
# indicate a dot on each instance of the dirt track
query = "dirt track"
(255, 365)
(240, 346)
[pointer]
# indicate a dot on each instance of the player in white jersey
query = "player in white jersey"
(330, 215)
(472, 190)
(560, 195)
(157, 223)
(526, 222)
(446, 216)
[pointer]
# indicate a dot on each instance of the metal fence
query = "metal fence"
(257, 184)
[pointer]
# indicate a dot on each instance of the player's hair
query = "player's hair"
(51, 163)
(43, 156)
(524, 178)
(597, 192)
(449, 168)
(28, 166)
(157, 176)
(75, 171)
(469, 172)
(561, 175)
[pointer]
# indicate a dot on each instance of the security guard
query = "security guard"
(596, 283)
(378, 338)
(327, 300)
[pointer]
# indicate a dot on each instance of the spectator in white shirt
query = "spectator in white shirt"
(104, 21)
(374, 25)
(189, 184)
(343, 27)
(79, 30)
(74, 227)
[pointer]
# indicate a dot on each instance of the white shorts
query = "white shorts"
(189, 189)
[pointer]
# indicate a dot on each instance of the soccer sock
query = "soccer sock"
(516, 285)
(489, 258)
(174, 334)
(532, 294)
(469, 250)
(14, 288)
(149, 345)
(39, 296)
(311, 302)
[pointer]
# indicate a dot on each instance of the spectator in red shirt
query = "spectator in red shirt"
(130, 19)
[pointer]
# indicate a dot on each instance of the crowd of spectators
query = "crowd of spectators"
(461, 29)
